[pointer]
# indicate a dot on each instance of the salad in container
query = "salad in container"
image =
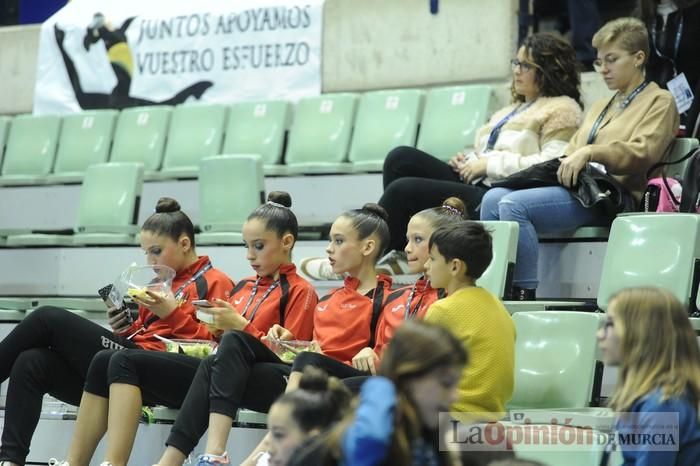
(287, 350)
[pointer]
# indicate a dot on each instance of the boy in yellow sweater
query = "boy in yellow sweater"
(459, 255)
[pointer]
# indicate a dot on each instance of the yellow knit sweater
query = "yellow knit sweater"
(482, 323)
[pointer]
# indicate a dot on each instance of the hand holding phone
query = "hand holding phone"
(118, 318)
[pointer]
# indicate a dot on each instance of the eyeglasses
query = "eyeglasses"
(524, 66)
(607, 62)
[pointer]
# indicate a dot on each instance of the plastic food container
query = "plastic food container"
(287, 350)
(154, 278)
(196, 348)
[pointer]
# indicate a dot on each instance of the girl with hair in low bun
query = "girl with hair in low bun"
(52, 350)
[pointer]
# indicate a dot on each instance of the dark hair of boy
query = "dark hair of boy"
(467, 241)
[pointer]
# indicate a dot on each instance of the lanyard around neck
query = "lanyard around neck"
(409, 313)
(623, 105)
(200, 272)
(263, 298)
(496, 131)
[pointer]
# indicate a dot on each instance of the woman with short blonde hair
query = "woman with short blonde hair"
(627, 33)
(648, 335)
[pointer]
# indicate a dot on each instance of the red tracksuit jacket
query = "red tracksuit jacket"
(395, 313)
(343, 319)
(289, 304)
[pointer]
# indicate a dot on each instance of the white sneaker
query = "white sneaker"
(55, 462)
(393, 263)
(318, 268)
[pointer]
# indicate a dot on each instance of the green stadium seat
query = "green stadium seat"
(681, 146)
(385, 120)
(554, 359)
(85, 140)
(259, 128)
(78, 304)
(107, 209)
(18, 304)
(651, 250)
(586, 233)
(230, 187)
(497, 277)
(451, 118)
(31, 149)
(320, 135)
(647, 249)
(140, 137)
(5, 123)
(9, 316)
(196, 131)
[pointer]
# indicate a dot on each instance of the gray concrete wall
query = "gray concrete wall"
(374, 44)
(18, 53)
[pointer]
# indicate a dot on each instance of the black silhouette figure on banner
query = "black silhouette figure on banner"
(121, 60)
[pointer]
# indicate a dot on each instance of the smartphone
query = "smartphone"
(113, 310)
(204, 317)
(202, 303)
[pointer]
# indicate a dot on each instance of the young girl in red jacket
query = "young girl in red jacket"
(118, 385)
(412, 302)
(344, 323)
(51, 349)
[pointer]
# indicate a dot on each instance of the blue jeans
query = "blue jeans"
(537, 210)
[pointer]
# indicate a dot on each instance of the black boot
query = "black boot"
(522, 294)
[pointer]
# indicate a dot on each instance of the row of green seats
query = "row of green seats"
(331, 133)
(643, 249)
(230, 187)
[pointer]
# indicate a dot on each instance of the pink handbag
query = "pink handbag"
(663, 194)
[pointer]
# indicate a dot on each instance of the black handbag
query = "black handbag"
(594, 188)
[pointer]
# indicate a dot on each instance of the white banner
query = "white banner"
(119, 54)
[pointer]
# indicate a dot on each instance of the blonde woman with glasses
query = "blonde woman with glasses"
(648, 335)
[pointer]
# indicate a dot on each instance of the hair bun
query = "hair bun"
(280, 197)
(314, 380)
(376, 209)
(167, 204)
(456, 204)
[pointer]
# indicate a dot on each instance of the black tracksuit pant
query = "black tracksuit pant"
(47, 352)
(244, 373)
(414, 181)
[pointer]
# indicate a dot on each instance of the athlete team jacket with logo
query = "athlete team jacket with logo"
(395, 313)
(345, 321)
(289, 304)
(182, 323)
